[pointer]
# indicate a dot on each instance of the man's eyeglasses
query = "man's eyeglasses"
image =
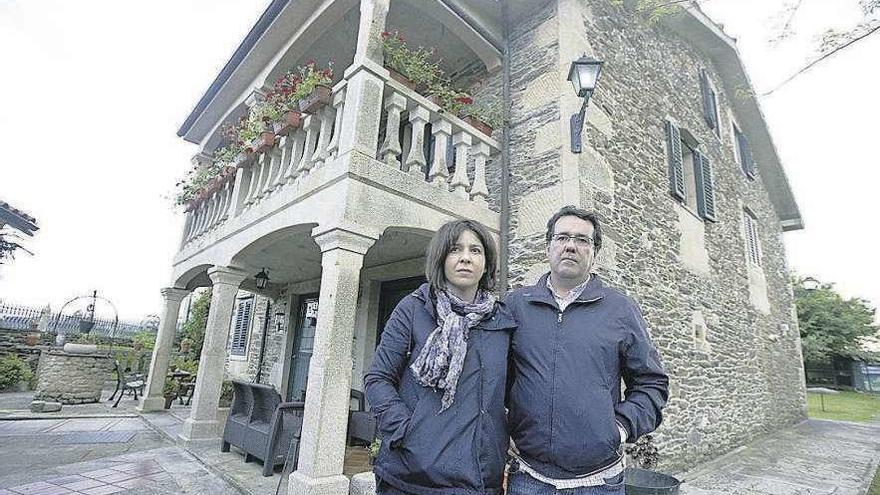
(579, 240)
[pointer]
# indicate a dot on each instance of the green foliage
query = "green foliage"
(194, 327)
(170, 387)
(489, 113)
(145, 338)
(13, 369)
(374, 448)
(450, 99)
(226, 391)
(310, 77)
(196, 178)
(415, 65)
(831, 325)
(191, 366)
(86, 338)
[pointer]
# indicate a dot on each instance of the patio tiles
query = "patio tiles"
(113, 478)
(83, 485)
(103, 490)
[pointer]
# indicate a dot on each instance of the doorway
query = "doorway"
(390, 294)
(303, 345)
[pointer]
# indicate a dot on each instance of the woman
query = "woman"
(438, 376)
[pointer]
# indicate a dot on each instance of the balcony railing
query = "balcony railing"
(416, 136)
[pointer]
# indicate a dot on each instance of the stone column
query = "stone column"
(322, 447)
(363, 96)
(202, 421)
(153, 399)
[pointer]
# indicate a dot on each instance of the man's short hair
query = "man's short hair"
(574, 211)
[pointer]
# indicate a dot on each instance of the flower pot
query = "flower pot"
(264, 142)
(292, 121)
(243, 158)
(479, 125)
(397, 76)
(32, 339)
(319, 97)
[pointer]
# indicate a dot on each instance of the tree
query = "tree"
(194, 327)
(831, 325)
(8, 244)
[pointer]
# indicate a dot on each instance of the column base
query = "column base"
(303, 484)
(150, 404)
(197, 430)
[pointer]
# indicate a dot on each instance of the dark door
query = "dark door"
(390, 294)
(303, 343)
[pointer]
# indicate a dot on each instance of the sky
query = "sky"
(92, 93)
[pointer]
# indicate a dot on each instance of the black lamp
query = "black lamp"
(583, 74)
(262, 279)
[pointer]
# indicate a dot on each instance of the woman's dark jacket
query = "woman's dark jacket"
(460, 451)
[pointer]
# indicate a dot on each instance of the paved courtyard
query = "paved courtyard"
(93, 450)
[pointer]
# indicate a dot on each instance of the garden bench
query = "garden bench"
(132, 383)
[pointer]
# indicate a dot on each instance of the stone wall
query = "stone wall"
(71, 378)
(245, 368)
(735, 366)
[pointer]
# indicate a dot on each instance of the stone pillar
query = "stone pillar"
(202, 421)
(153, 399)
(363, 96)
(322, 447)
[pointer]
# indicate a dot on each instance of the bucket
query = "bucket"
(644, 482)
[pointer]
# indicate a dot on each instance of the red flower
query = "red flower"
(466, 100)
(385, 34)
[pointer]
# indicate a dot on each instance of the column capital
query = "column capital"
(173, 294)
(337, 238)
(227, 275)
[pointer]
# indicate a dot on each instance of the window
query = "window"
(690, 172)
(743, 152)
(242, 322)
(753, 246)
(710, 103)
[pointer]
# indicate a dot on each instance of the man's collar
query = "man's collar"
(578, 289)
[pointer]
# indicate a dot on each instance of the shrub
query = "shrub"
(413, 64)
(13, 369)
(226, 391)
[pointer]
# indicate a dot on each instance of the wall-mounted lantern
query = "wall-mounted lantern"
(583, 74)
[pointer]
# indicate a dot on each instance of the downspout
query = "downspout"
(504, 274)
(263, 341)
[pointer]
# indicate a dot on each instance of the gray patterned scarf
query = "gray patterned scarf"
(442, 358)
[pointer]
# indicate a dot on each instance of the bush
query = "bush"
(226, 391)
(13, 369)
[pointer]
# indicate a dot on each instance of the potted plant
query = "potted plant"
(411, 68)
(169, 391)
(484, 117)
(448, 98)
(313, 91)
(185, 345)
(283, 98)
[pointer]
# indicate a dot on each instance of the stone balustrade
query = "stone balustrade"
(416, 136)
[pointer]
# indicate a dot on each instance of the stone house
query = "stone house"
(677, 159)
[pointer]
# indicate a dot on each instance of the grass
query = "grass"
(845, 406)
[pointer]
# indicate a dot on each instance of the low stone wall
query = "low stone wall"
(71, 378)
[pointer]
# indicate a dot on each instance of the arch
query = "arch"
(194, 277)
(290, 254)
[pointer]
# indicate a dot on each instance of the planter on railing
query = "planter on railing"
(265, 141)
(243, 158)
(478, 125)
(292, 121)
(319, 97)
(397, 76)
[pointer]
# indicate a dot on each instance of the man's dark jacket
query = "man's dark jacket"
(460, 451)
(565, 379)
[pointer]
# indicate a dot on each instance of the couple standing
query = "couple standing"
(458, 373)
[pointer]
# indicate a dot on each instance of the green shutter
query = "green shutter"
(745, 155)
(676, 169)
(705, 186)
(708, 100)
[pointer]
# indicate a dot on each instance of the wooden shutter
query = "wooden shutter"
(747, 161)
(708, 101)
(705, 186)
(676, 168)
(242, 323)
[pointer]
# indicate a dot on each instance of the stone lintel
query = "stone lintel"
(338, 238)
(173, 294)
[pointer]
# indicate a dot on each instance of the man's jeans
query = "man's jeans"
(520, 483)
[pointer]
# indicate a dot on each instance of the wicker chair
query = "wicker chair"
(361, 423)
(261, 425)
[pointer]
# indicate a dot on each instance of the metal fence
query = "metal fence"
(24, 318)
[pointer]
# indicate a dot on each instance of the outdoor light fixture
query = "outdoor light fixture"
(810, 284)
(584, 74)
(262, 279)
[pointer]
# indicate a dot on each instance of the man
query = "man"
(576, 339)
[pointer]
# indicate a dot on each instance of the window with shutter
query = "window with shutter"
(705, 186)
(753, 245)
(676, 167)
(243, 313)
(710, 103)
(744, 153)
